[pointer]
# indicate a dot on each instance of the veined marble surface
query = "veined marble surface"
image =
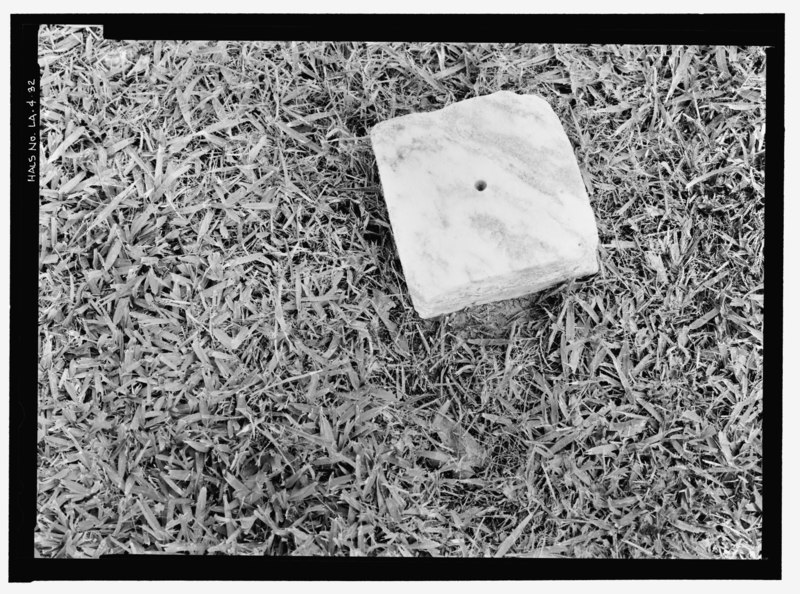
(485, 200)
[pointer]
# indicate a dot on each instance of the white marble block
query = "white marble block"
(485, 200)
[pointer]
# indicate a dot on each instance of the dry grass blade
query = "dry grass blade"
(512, 538)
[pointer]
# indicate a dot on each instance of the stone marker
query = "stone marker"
(485, 200)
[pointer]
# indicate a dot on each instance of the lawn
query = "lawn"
(230, 362)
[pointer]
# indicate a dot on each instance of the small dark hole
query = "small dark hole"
(480, 185)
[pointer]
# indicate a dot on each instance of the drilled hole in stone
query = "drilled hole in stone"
(480, 185)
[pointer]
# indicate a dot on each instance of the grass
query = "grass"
(230, 362)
